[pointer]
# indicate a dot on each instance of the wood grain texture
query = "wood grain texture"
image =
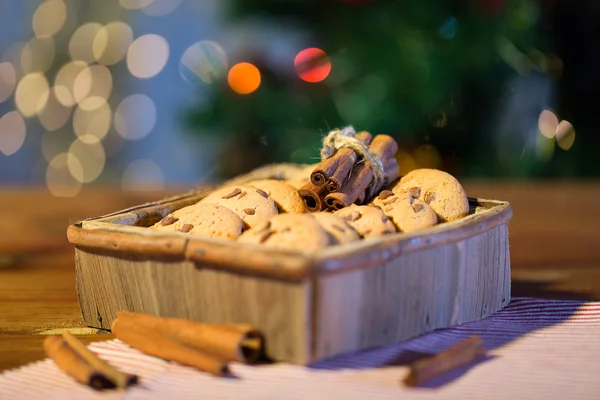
(107, 283)
(412, 294)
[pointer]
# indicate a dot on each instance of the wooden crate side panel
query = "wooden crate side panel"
(412, 294)
(107, 284)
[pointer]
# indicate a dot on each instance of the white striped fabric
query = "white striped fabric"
(539, 349)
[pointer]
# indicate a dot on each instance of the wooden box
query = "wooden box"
(310, 306)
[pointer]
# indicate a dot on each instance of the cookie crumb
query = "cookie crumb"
(262, 193)
(234, 193)
(249, 211)
(169, 220)
(417, 207)
(185, 228)
(385, 194)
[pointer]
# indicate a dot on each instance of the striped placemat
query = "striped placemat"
(539, 349)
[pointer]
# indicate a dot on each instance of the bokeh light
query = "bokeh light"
(49, 18)
(12, 55)
(92, 124)
(112, 42)
(243, 78)
(52, 144)
(81, 45)
(135, 117)
(448, 29)
(312, 65)
(8, 80)
(37, 55)
(64, 84)
(32, 94)
(159, 8)
(406, 162)
(205, 60)
(547, 123)
(59, 180)
(141, 175)
(147, 56)
(427, 156)
(87, 159)
(55, 115)
(12, 133)
(94, 82)
(134, 4)
(565, 135)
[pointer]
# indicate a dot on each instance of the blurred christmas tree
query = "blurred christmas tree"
(430, 73)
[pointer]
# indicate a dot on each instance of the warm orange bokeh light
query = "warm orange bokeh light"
(312, 65)
(243, 78)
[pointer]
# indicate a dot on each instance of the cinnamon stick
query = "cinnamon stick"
(391, 170)
(313, 196)
(458, 355)
(67, 359)
(236, 342)
(383, 146)
(120, 379)
(155, 344)
(357, 183)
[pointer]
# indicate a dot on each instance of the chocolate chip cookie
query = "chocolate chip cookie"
(438, 189)
(284, 195)
(209, 220)
(339, 230)
(288, 231)
(406, 211)
(368, 221)
(251, 204)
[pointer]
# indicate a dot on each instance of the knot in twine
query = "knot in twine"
(345, 137)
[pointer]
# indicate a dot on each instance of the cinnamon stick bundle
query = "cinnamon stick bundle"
(458, 355)
(360, 179)
(236, 342)
(158, 345)
(74, 358)
(334, 170)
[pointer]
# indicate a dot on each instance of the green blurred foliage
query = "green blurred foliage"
(422, 71)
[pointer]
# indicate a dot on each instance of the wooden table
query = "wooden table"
(555, 253)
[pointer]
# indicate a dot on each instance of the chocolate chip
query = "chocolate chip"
(414, 192)
(429, 197)
(242, 195)
(265, 236)
(249, 211)
(235, 192)
(262, 193)
(169, 220)
(185, 228)
(417, 207)
(385, 194)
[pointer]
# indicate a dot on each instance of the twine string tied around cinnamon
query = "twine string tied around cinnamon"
(345, 137)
